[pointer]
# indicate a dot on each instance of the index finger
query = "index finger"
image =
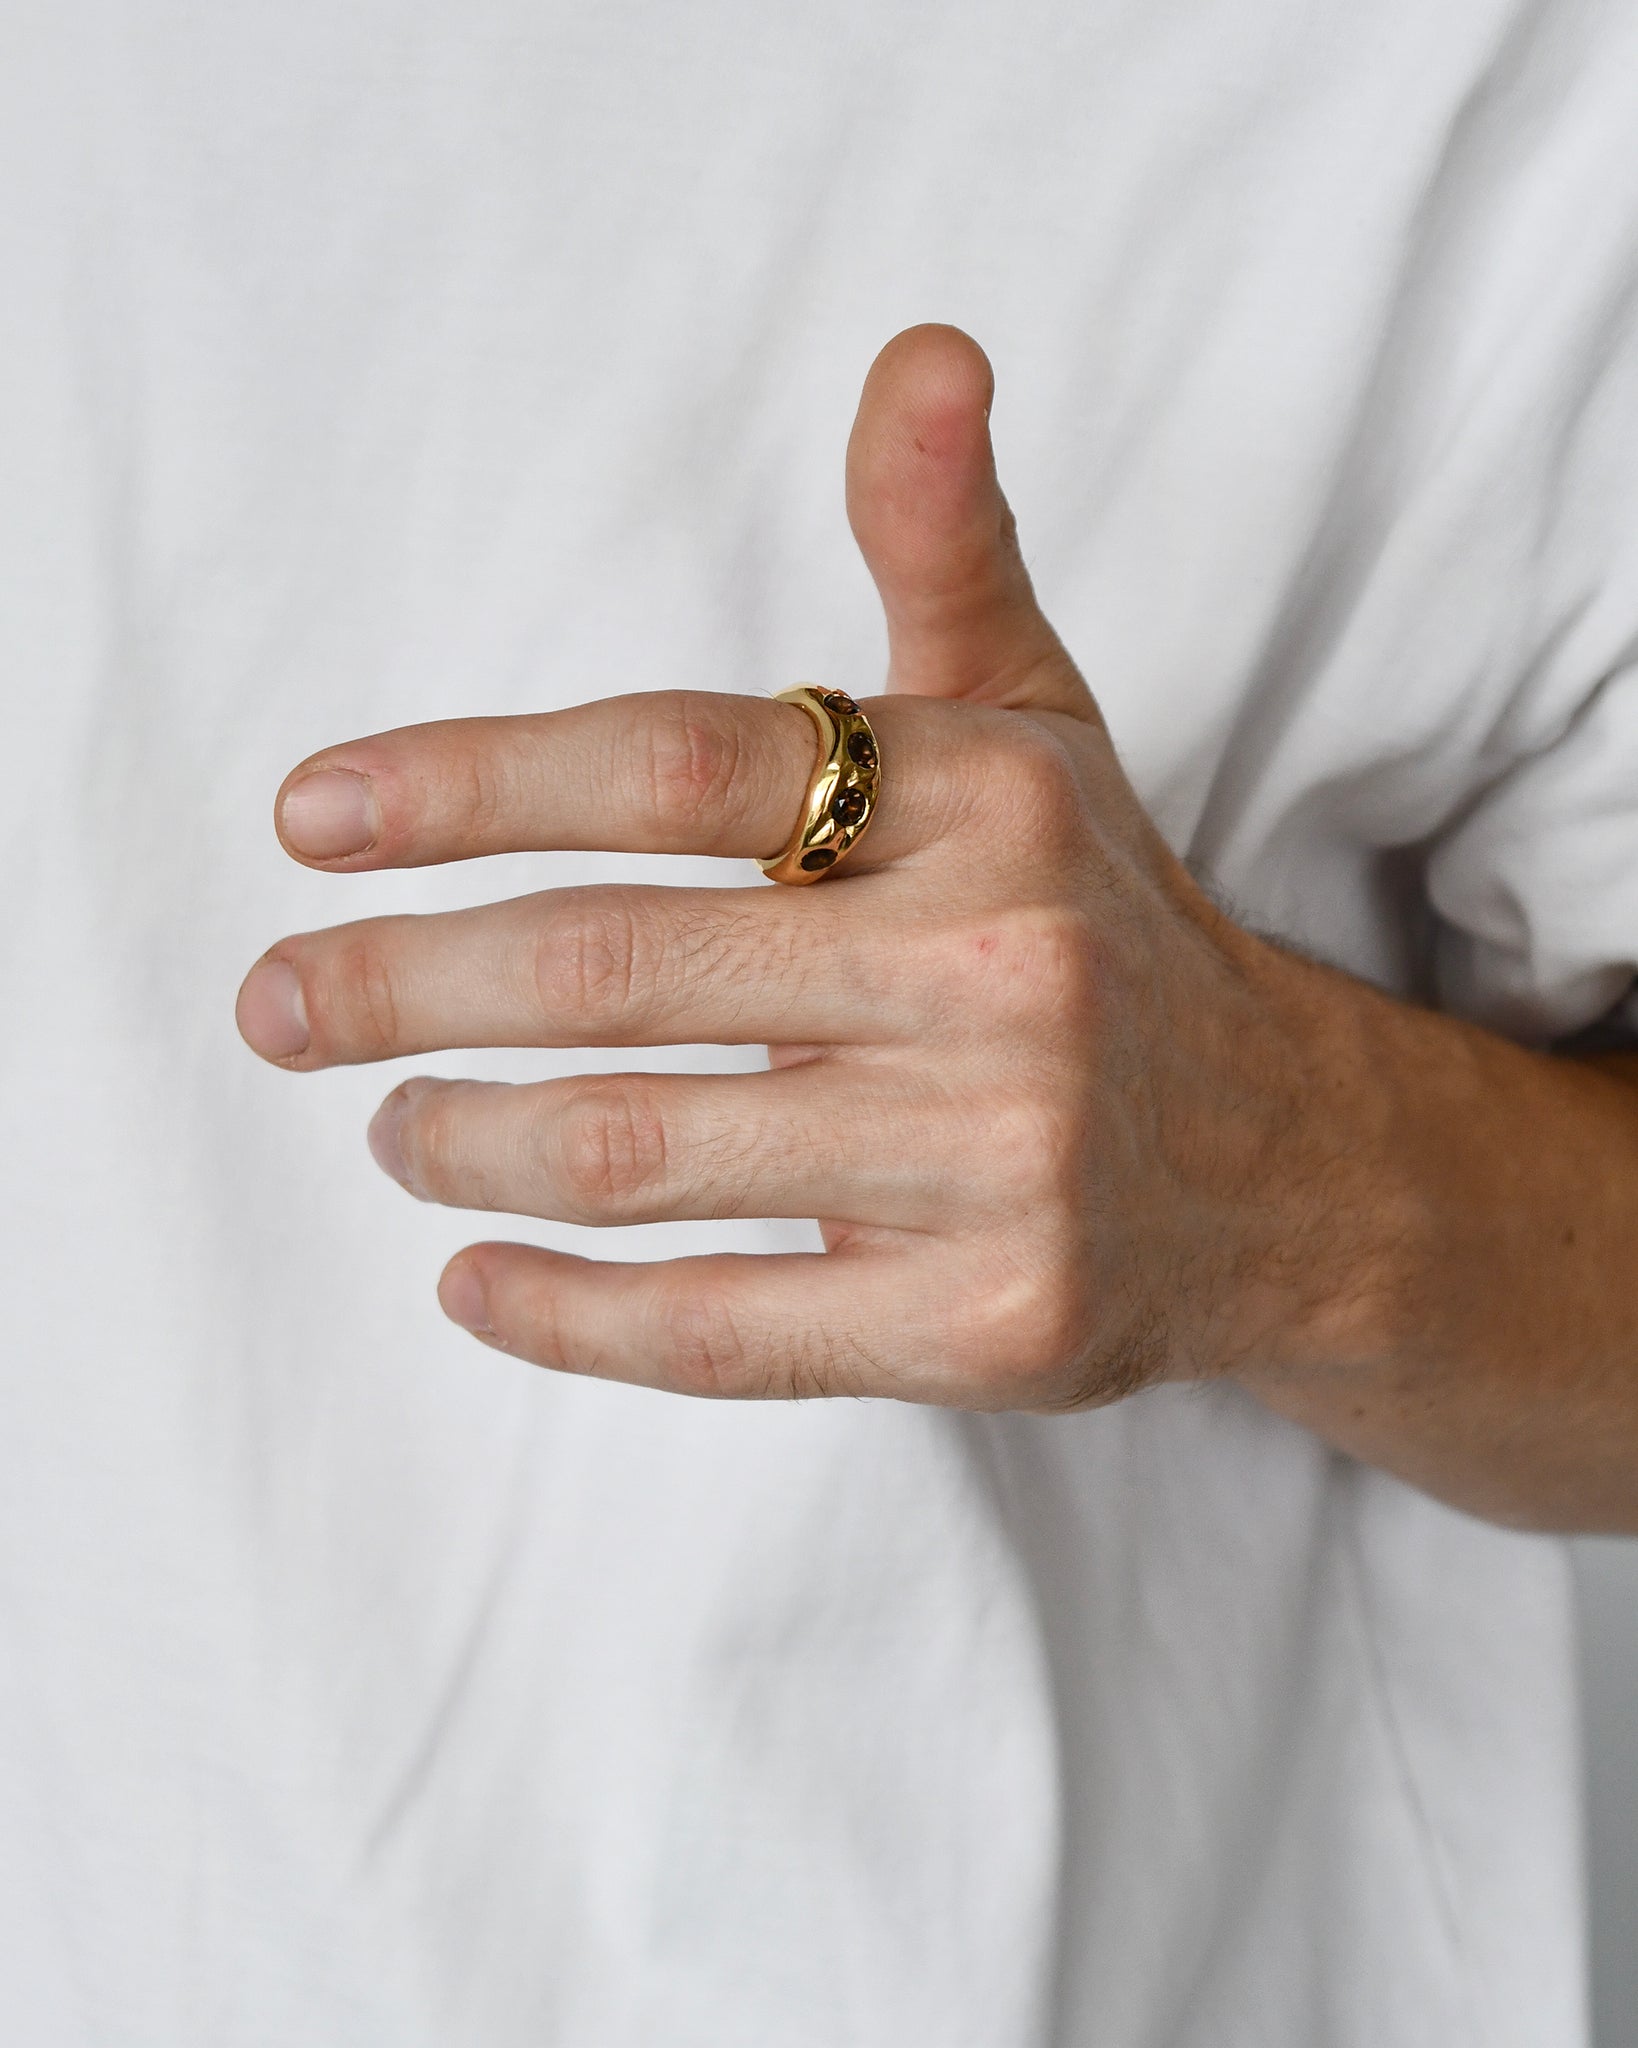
(670, 771)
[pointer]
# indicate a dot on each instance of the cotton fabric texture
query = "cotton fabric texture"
(375, 363)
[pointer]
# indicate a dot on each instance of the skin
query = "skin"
(1070, 1129)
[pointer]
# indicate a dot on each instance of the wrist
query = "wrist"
(1333, 1226)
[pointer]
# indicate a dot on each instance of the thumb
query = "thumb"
(939, 538)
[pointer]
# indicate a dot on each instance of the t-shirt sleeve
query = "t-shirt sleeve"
(1535, 888)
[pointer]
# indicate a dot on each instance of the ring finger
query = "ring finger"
(645, 1148)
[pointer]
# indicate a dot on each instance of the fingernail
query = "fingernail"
(460, 1294)
(384, 1142)
(329, 813)
(272, 1015)
(386, 1131)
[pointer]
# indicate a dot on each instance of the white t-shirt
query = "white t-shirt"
(363, 364)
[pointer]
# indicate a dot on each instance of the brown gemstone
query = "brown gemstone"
(818, 857)
(840, 702)
(861, 750)
(848, 806)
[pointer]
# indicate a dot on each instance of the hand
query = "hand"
(1043, 1095)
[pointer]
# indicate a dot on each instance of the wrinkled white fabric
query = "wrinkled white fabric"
(370, 363)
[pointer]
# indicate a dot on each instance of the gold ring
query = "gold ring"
(841, 798)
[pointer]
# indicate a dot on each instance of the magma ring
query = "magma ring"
(841, 798)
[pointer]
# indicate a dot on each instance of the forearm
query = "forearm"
(1476, 1331)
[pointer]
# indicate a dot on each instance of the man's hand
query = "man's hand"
(1014, 1060)
(1069, 1128)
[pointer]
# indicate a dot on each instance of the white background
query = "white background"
(1607, 1571)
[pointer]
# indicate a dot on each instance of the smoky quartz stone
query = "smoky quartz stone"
(861, 750)
(818, 857)
(848, 806)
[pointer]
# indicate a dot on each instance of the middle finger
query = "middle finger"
(606, 965)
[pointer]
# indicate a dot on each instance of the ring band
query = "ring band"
(841, 798)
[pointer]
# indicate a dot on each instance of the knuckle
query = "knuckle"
(1052, 960)
(360, 1005)
(1028, 1327)
(1035, 789)
(589, 960)
(1046, 1335)
(689, 758)
(1038, 1154)
(482, 790)
(706, 1350)
(426, 1138)
(611, 1148)
(441, 1150)
(1032, 968)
